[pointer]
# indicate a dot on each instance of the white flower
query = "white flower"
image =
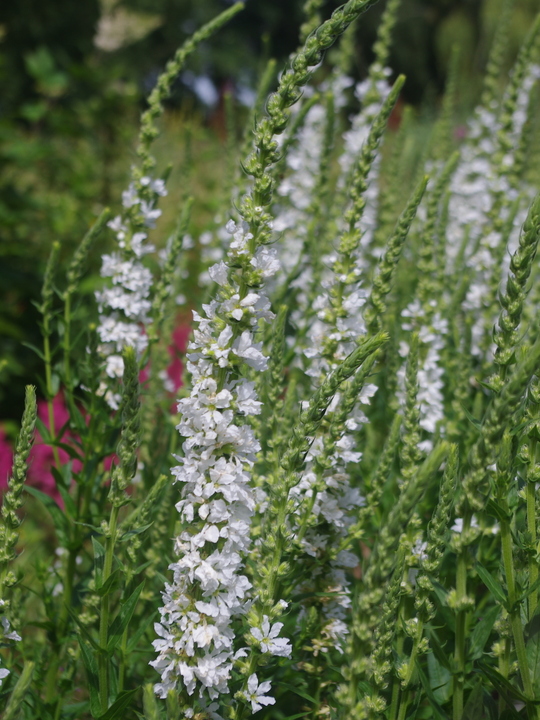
(130, 197)
(245, 348)
(267, 636)
(13, 635)
(457, 527)
(208, 591)
(3, 674)
(419, 550)
(266, 260)
(124, 303)
(219, 273)
(256, 693)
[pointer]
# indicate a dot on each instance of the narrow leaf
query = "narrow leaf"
(90, 664)
(99, 560)
(502, 685)
(482, 631)
(122, 619)
(474, 706)
(110, 584)
(119, 705)
(493, 586)
(143, 627)
(298, 691)
(46, 436)
(83, 629)
(438, 712)
(35, 349)
(59, 519)
(130, 533)
(533, 651)
(440, 679)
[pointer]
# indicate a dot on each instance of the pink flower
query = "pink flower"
(42, 456)
(177, 349)
(6, 460)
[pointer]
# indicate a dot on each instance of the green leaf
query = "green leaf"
(440, 679)
(130, 533)
(121, 621)
(438, 712)
(77, 709)
(110, 584)
(533, 651)
(477, 424)
(493, 586)
(99, 560)
(529, 590)
(59, 519)
(70, 450)
(442, 601)
(119, 705)
(90, 664)
(142, 567)
(301, 693)
(438, 650)
(502, 685)
(84, 630)
(474, 706)
(63, 479)
(66, 497)
(78, 419)
(46, 436)
(38, 352)
(482, 631)
(94, 528)
(143, 627)
(493, 508)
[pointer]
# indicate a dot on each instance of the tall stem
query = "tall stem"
(48, 386)
(531, 527)
(103, 660)
(514, 612)
(407, 693)
(461, 619)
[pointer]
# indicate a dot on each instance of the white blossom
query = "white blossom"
(196, 643)
(255, 693)
(124, 302)
(267, 636)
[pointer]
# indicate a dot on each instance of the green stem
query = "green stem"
(459, 652)
(51, 685)
(396, 685)
(122, 664)
(123, 644)
(504, 669)
(514, 612)
(406, 695)
(48, 386)
(103, 660)
(531, 527)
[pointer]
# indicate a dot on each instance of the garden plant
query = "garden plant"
(336, 514)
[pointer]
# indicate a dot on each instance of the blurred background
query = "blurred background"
(74, 76)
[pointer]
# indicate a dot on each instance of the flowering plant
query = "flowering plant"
(349, 527)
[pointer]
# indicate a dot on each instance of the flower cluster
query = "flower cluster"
(124, 304)
(7, 635)
(371, 93)
(209, 589)
(486, 210)
(432, 329)
(298, 189)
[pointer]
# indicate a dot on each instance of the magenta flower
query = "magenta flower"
(6, 459)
